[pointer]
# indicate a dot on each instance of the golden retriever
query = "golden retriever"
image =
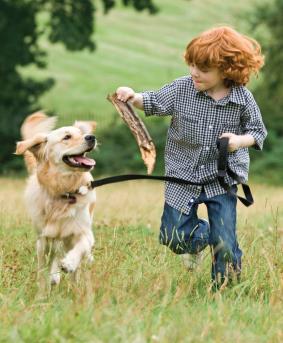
(58, 197)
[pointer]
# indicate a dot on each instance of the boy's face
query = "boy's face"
(208, 79)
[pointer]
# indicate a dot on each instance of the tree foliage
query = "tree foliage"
(70, 22)
(267, 19)
(267, 22)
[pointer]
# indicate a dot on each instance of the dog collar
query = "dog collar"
(71, 197)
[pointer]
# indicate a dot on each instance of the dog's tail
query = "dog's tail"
(35, 123)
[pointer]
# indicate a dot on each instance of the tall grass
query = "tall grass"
(137, 290)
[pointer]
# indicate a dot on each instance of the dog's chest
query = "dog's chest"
(57, 218)
(74, 221)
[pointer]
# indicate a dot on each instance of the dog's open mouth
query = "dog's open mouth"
(79, 161)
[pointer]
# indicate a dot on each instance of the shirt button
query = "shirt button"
(210, 127)
(207, 148)
(192, 200)
(201, 167)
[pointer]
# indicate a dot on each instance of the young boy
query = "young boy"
(211, 103)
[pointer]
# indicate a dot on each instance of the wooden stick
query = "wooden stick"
(138, 129)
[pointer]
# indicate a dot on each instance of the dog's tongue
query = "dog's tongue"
(84, 160)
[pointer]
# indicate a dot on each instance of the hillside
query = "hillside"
(135, 49)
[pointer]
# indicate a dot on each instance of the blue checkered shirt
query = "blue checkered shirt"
(197, 121)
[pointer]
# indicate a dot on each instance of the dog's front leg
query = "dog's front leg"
(41, 246)
(55, 266)
(81, 246)
(55, 272)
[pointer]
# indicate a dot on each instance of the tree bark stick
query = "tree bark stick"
(138, 129)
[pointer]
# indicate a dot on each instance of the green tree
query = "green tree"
(267, 21)
(70, 22)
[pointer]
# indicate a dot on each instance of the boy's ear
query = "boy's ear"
(34, 145)
(85, 126)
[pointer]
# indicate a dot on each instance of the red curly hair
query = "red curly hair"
(235, 55)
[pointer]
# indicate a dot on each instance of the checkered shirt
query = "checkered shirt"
(197, 121)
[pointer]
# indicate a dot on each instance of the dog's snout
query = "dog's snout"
(90, 139)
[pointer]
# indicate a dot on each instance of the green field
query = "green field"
(137, 290)
(134, 49)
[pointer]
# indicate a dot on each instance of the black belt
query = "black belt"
(223, 170)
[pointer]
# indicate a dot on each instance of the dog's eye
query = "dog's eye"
(67, 137)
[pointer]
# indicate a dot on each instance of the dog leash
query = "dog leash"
(223, 170)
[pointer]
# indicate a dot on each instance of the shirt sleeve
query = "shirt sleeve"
(160, 102)
(251, 122)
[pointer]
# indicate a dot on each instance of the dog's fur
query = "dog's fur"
(59, 220)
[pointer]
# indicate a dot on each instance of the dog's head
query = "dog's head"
(65, 148)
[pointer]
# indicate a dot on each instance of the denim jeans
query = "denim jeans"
(188, 234)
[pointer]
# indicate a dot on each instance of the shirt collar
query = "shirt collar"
(236, 95)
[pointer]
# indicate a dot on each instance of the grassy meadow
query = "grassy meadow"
(134, 49)
(137, 290)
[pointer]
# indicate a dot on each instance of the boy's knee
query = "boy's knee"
(179, 245)
(172, 241)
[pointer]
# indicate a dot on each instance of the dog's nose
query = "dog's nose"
(90, 139)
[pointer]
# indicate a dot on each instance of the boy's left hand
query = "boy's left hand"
(235, 141)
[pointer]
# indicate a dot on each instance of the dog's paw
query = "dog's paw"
(55, 279)
(68, 265)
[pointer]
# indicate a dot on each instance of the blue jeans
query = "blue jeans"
(188, 234)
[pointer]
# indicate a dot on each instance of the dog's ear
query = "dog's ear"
(37, 122)
(85, 126)
(34, 145)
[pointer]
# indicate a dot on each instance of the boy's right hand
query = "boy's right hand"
(125, 93)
